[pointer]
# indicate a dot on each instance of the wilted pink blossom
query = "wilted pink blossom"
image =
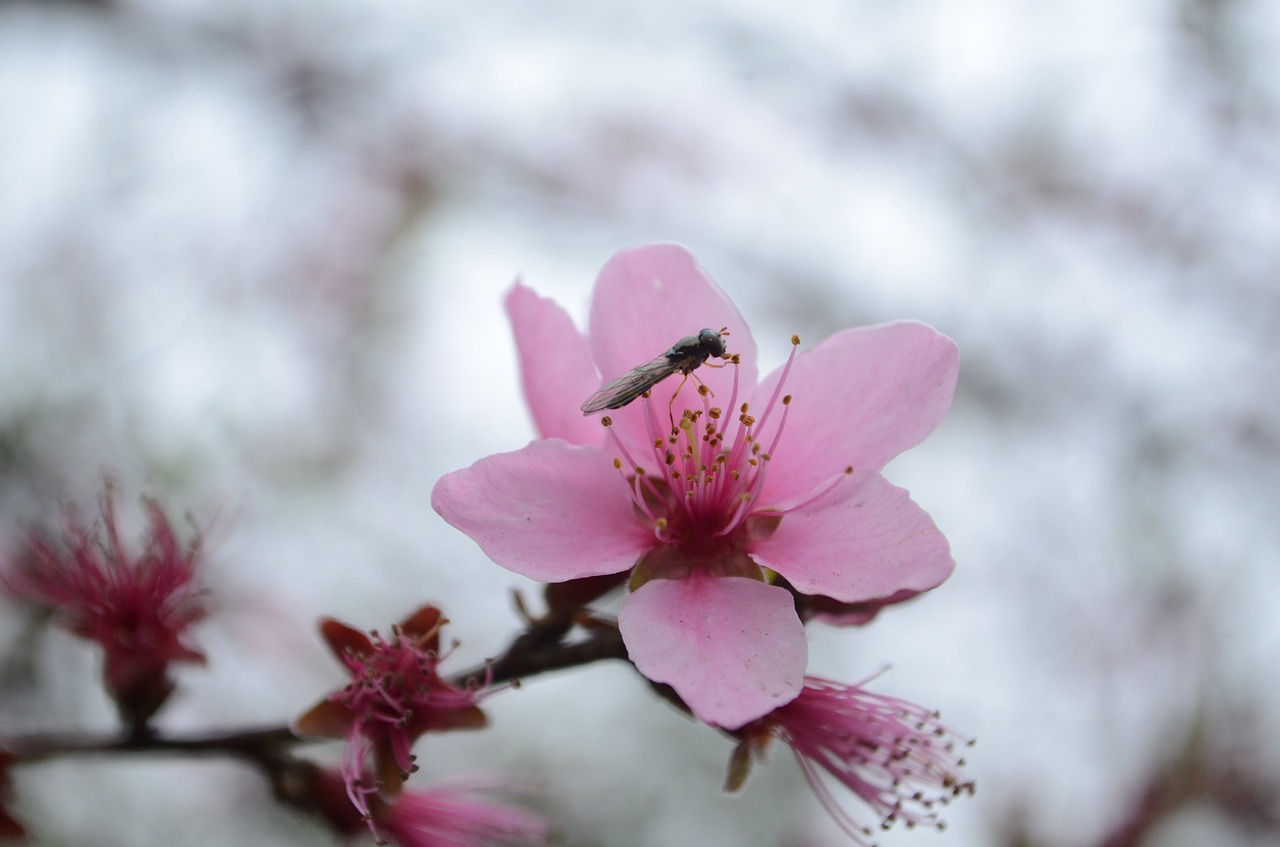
(454, 816)
(448, 815)
(138, 608)
(895, 756)
(395, 696)
(765, 493)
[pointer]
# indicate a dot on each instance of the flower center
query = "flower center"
(704, 477)
(397, 682)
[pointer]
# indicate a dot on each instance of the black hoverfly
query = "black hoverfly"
(684, 357)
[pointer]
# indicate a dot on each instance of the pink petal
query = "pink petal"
(555, 367)
(551, 511)
(732, 648)
(646, 299)
(860, 398)
(865, 540)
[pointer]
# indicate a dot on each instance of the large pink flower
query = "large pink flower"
(765, 489)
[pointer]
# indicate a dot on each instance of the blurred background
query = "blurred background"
(252, 259)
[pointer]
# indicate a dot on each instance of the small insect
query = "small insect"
(684, 357)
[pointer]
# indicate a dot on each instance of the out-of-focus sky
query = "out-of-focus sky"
(252, 259)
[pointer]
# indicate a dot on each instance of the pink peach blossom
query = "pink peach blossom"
(763, 493)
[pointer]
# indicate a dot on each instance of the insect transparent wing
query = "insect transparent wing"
(621, 391)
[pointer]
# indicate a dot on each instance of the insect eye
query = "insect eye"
(711, 341)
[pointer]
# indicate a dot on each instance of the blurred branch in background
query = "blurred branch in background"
(1207, 773)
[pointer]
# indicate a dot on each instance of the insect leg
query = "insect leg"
(671, 409)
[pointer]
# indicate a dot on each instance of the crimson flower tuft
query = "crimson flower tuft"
(138, 608)
(895, 756)
(728, 505)
(395, 695)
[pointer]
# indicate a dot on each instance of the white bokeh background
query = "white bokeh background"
(252, 260)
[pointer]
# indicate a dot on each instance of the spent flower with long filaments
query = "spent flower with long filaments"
(724, 504)
(896, 757)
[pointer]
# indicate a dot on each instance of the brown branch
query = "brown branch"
(540, 649)
(254, 744)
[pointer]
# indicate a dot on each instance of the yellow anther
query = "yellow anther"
(606, 421)
(795, 340)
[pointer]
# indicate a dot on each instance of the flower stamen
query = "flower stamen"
(782, 379)
(821, 491)
(713, 475)
(892, 754)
